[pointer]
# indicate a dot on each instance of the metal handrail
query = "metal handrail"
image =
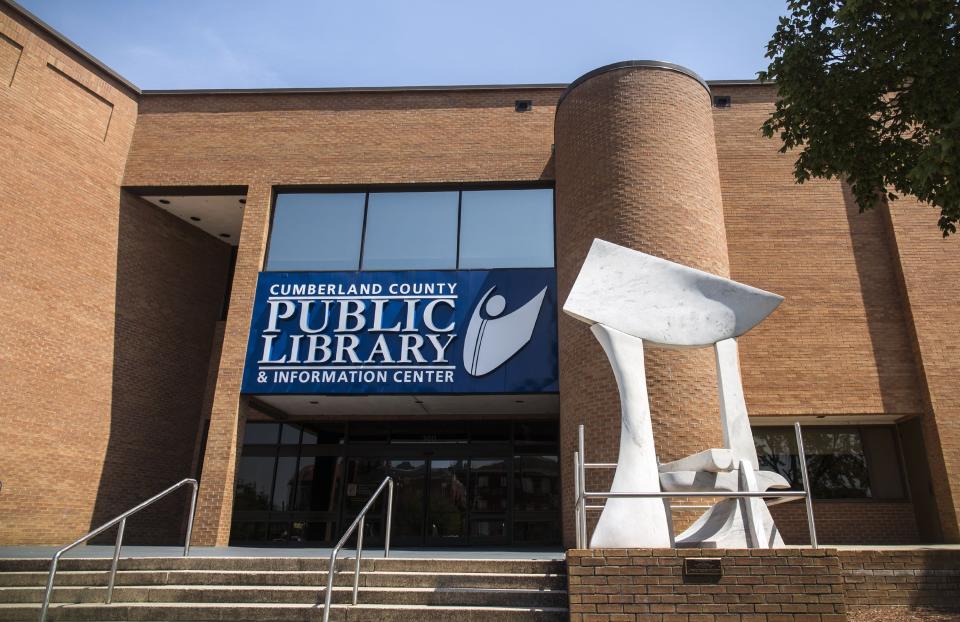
(359, 520)
(122, 519)
(580, 467)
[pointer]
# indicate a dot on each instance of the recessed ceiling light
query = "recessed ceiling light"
(224, 235)
(164, 202)
(195, 218)
(243, 201)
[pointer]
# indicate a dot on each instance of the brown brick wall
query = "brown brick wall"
(848, 522)
(648, 585)
(171, 278)
(838, 344)
(342, 138)
(59, 212)
(929, 266)
(108, 314)
(908, 577)
(636, 165)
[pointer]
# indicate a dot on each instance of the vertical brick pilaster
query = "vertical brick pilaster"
(215, 503)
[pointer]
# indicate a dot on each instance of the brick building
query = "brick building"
(162, 247)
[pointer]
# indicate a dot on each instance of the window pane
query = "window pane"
(506, 229)
(285, 485)
(316, 231)
(260, 433)
(489, 488)
(253, 483)
(836, 464)
(536, 483)
(886, 479)
(411, 231)
(290, 435)
(318, 483)
(835, 460)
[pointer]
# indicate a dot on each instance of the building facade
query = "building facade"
(294, 293)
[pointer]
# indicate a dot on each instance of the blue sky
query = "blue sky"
(168, 44)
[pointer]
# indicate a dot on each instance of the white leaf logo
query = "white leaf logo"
(491, 340)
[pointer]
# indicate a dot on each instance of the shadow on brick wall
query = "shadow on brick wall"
(170, 284)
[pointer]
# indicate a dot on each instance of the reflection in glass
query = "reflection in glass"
(318, 483)
(489, 486)
(255, 433)
(363, 477)
(836, 462)
(254, 478)
(506, 229)
(290, 435)
(408, 477)
(411, 231)
(448, 499)
(316, 231)
(285, 484)
(537, 483)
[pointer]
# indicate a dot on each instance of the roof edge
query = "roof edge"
(628, 64)
(356, 89)
(70, 45)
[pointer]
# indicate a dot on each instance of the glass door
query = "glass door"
(409, 486)
(447, 503)
(489, 500)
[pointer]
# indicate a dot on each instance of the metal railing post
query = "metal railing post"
(331, 571)
(356, 570)
(193, 512)
(811, 526)
(122, 520)
(583, 486)
(576, 498)
(359, 521)
(49, 591)
(116, 560)
(386, 540)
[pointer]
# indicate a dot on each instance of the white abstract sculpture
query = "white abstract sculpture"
(630, 298)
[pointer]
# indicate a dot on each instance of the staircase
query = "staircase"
(263, 589)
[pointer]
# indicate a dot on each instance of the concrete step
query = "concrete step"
(75, 578)
(237, 612)
(394, 564)
(305, 595)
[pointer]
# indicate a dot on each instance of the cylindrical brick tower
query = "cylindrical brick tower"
(636, 164)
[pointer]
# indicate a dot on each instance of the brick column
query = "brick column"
(636, 164)
(224, 439)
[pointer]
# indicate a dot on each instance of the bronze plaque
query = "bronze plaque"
(702, 567)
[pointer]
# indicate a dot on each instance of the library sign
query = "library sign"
(468, 331)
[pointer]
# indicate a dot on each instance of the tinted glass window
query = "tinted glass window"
(836, 461)
(507, 229)
(260, 433)
(411, 231)
(316, 231)
(254, 479)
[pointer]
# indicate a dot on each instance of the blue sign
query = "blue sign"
(468, 331)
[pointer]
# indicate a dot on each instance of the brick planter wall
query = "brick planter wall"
(914, 578)
(649, 585)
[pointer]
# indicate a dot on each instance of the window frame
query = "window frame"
(369, 189)
(907, 495)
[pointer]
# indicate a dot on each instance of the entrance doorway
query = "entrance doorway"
(476, 483)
